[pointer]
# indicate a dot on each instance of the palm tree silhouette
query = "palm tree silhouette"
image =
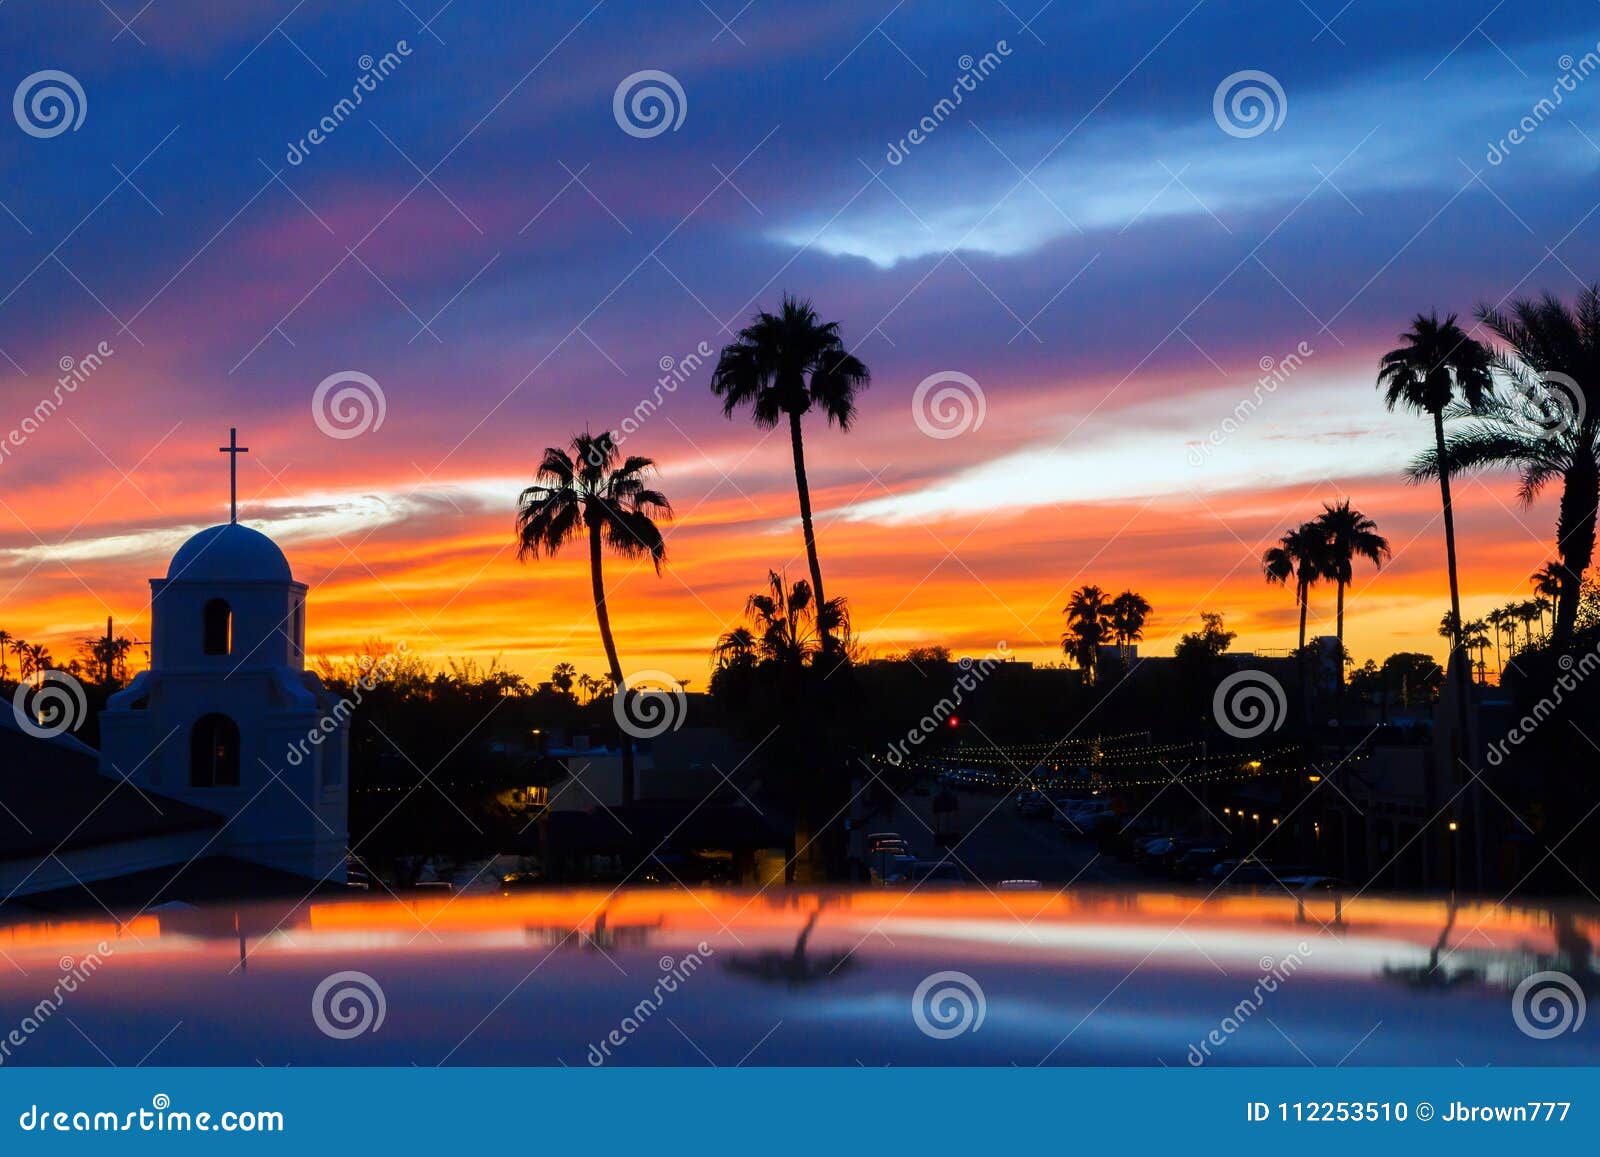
(1300, 555)
(1128, 612)
(735, 648)
(594, 489)
(5, 645)
(790, 627)
(1498, 619)
(1438, 363)
(1544, 433)
(1475, 637)
(1349, 535)
(1546, 583)
(1086, 627)
(786, 364)
(562, 676)
(19, 648)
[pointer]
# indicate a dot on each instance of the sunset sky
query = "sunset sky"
(483, 239)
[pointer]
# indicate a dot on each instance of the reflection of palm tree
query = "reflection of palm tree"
(786, 364)
(1430, 978)
(593, 488)
(793, 968)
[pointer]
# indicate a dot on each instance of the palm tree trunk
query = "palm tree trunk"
(1575, 533)
(1305, 590)
(1338, 631)
(597, 580)
(798, 444)
(1449, 530)
(1458, 654)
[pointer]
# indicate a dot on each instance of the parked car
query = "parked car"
(1033, 804)
(1312, 883)
(1196, 862)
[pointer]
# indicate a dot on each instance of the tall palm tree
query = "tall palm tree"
(784, 365)
(1086, 627)
(1128, 612)
(5, 645)
(39, 659)
(1300, 555)
(593, 490)
(19, 648)
(1543, 432)
(1350, 535)
(1437, 364)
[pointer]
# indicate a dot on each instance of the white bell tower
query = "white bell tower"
(224, 717)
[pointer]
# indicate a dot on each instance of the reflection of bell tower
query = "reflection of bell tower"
(225, 717)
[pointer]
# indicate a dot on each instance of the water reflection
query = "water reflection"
(795, 969)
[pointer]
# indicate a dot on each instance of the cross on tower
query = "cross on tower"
(233, 450)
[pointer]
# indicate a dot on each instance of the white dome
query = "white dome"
(229, 553)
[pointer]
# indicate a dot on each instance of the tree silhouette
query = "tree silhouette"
(1128, 613)
(594, 490)
(786, 364)
(1350, 535)
(1541, 430)
(1438, 364)
(1087, 628)
(1301, 555)
(562, 676)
